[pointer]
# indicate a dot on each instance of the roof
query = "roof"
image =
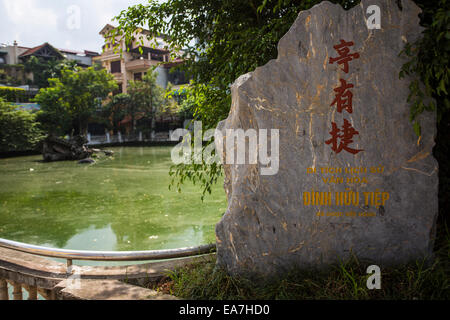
(106, 28)
(71, 51)
(109, 27)
(91, 53)
(31, 51)
(83, 53)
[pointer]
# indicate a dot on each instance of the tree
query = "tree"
(78, 92)
(115, 110)
(46, 69)
(223, 39)
(430, 60)
(54, 113)
(18, 129)
(146, 98)
(170, 104)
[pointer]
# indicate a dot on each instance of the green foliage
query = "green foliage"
(185, 101)
(12, 94)
(43, 70)
(170, 104)
(12, 75)
(221, 40)
(225, 39)
(146, 98)
(76, 94)
(115, 110)
(205, 175)
(54, 113)
(429, 60)
(202, 103)
(18, 129)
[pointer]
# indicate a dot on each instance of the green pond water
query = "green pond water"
(117, 204)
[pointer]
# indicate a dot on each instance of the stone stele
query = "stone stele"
(379, 204)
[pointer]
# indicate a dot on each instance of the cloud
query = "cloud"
(33, 22)
(28, 11)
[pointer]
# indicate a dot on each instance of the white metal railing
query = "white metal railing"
(70, 255)
(33, 287)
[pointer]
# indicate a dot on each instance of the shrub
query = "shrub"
(13, 94)
(19, 130)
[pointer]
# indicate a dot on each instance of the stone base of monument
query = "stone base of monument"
(349, 176)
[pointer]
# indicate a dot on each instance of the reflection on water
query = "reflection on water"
(118, 204)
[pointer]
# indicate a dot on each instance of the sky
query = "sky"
(65, 24)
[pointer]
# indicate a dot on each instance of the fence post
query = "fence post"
(17, 292)
(32, 292)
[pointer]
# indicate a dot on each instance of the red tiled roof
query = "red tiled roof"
(32, 50)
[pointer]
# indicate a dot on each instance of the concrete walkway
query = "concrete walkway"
(94, 282)
(106, 290)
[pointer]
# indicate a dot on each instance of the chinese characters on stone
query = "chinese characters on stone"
(342, 137)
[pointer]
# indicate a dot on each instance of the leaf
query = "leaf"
(417, 128)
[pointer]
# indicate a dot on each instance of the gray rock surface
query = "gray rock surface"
(268, 229)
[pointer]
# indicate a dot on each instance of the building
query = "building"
(13, 57)
(138, 58)
(10, 54)
(83, 58)
(15, 54)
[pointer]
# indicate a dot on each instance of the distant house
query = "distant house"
(44, 51)
(10, 54)
(13, 57)
(16, 54)
(138, 58)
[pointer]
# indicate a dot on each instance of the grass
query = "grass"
(344, 281)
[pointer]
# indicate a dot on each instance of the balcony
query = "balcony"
(139, 64)
(118, 76)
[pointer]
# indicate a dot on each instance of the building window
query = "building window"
(138, 76)
(116, 67)
(2, 60)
